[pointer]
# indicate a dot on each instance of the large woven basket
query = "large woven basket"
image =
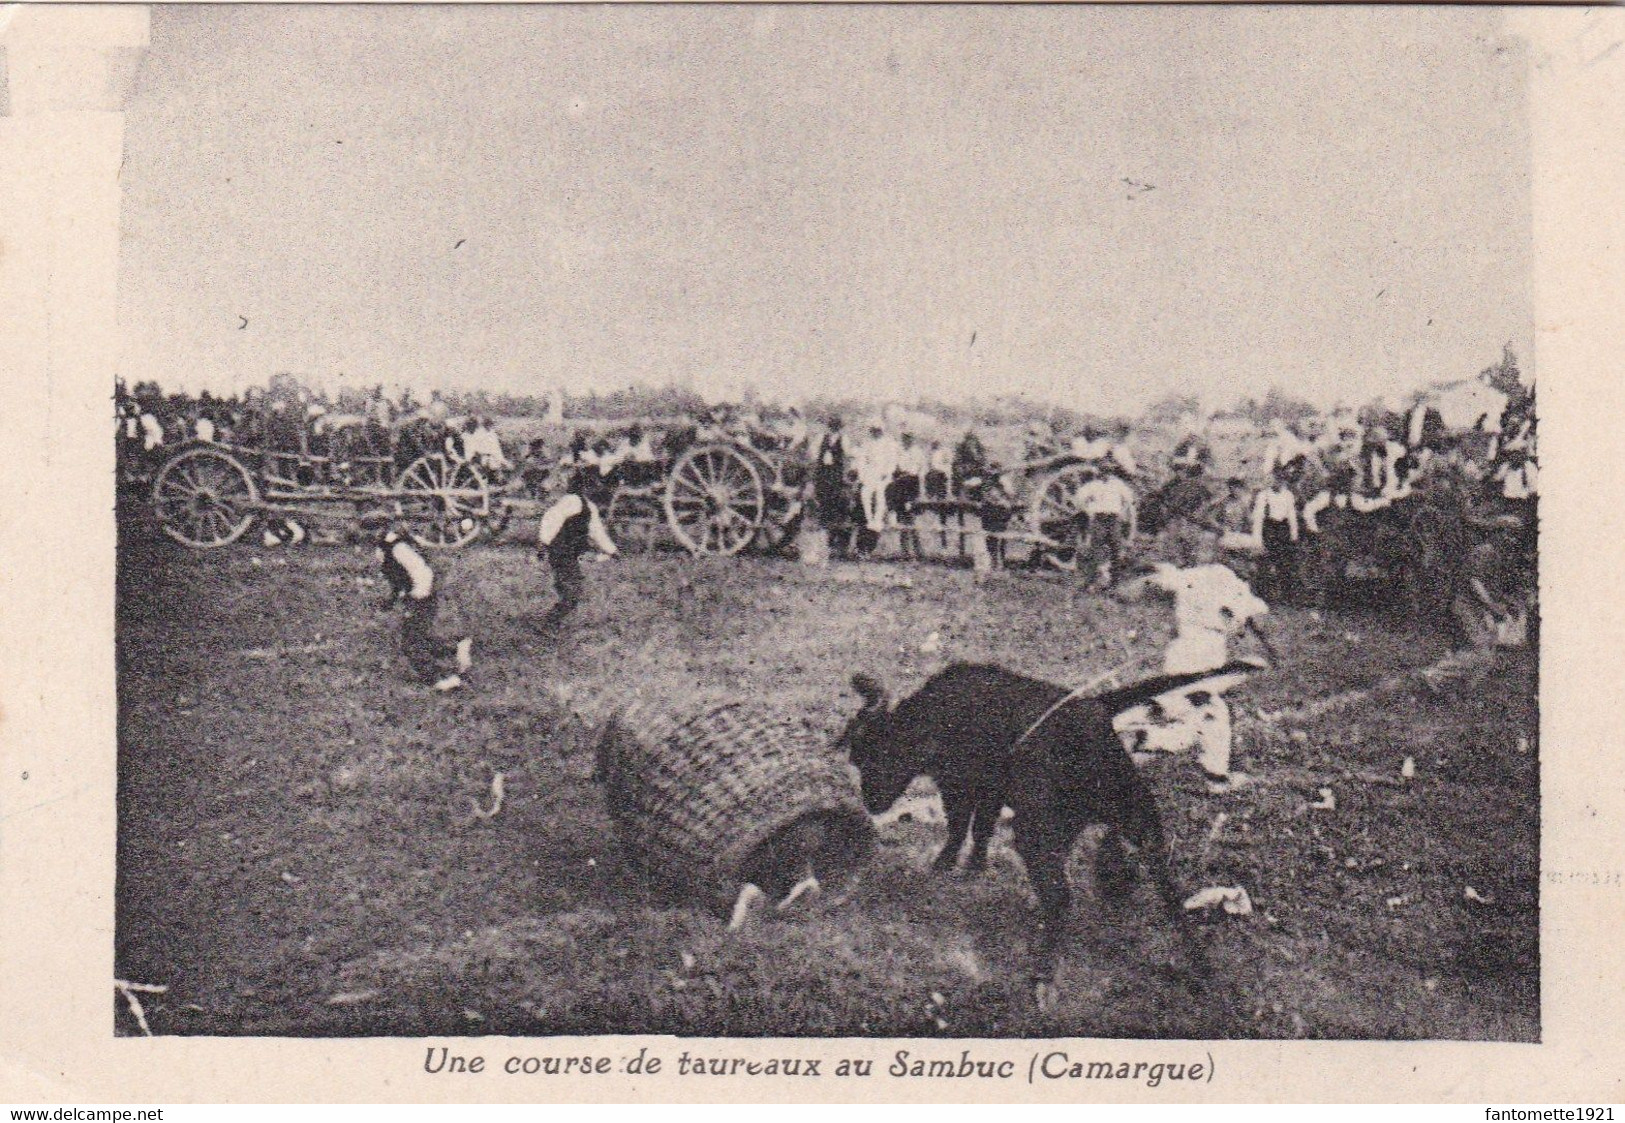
(695, 798)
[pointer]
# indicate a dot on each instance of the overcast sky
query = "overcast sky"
(1095, 205)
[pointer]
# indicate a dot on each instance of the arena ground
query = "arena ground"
(299, 853)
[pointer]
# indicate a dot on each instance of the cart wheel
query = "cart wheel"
(714, 500)
(204, 498)
(781, 521)
(1053, 511)
(634, 518)
(443, 502)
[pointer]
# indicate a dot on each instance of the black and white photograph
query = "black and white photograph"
(781, 521)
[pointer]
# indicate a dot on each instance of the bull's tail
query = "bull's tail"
(1141, 692)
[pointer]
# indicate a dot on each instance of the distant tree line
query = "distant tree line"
(633, 401)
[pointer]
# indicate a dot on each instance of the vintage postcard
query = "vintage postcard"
(799, 552)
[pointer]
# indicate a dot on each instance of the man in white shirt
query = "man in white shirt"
(903, 491)
(1104, 502)
(876, 463)
(412, 584)
(1211, 604)
(482, 445)
(569, 529)
(1286, 448)
(152, 432)
(1275, 534)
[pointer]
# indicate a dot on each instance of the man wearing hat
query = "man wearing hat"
(1105, 504)
(830, 498)
(412, 584)
(570, 528)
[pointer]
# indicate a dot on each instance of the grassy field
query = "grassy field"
(298, 852)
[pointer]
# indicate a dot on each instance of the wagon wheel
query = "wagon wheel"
(715, 502)
(785, 512)
(634, 517)
(786, 504)
(1127, 528)
(204, 498)
(445, 502)
(1052, 511)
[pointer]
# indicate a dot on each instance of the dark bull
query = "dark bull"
(971, 728)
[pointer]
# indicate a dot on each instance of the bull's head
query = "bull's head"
(885, 770)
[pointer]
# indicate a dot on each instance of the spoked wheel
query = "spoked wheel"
(1090, 528)
(634, 516)
(443, 502)
(1053, 509)
(715, 501)
(204, 498)
(781, 526)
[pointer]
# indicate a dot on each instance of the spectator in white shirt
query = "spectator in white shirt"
(876, 464)
(1276, 530)
(482, 446)
(1104, 503)
(152, 432)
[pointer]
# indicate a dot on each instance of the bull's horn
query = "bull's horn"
(872, 693)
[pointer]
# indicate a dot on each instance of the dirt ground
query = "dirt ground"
(299, 853)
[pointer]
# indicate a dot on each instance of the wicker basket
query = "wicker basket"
(696, 798)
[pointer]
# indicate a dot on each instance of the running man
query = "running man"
(570, 528)
(412, 584)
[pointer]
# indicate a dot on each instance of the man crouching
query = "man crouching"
(412, 583)
(570, 528)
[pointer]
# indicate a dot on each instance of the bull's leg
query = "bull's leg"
(959, 809)
(1047, 871)
(985, 823)
(1155, 853)
(1113, 874)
